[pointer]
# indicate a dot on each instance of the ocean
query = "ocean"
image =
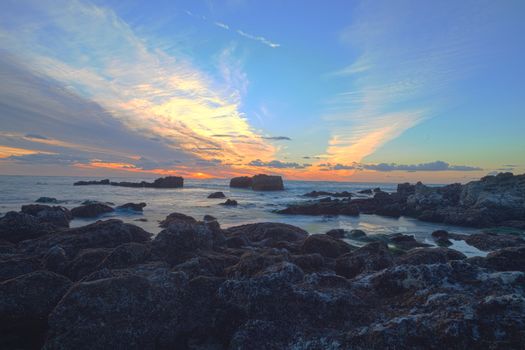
(16, 191)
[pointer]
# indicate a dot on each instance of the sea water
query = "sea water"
(192, 200)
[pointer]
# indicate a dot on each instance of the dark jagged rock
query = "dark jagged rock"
(101, 234)
(406, 242)
(217, 195)
(263, 182)
(367, 191)
(179, 240)
(507, 259)
(209, 218)
(325, 245)
(47, 200)
(230, 202)
(132, 206)
(126, 255)
(488, 241)
(86, 262)
(94, 182)
(16, 227)
(176, 218)
(58, 216)
(268, 231)
(144, 313)
(241, 182)
(420, 256)
(91, 210)
(371, 257)
(25, 304)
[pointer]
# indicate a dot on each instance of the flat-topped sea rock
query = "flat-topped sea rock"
(259, 182)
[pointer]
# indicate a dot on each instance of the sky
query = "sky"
(367, 91)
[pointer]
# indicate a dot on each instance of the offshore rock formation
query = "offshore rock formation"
(259, 182)
(163, 182)
(492, 201)
(255, 286)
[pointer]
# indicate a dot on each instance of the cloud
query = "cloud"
(36, 136)
(258, 38)
(122, 95)
(242, 33)
(278, 164)
(387, 167)
(277, 138)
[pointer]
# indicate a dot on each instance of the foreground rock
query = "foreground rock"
(255, 286)
(259, 182)
(492, 201)
(58, 216)
(163, 182)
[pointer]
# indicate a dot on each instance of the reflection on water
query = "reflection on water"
(191, 200)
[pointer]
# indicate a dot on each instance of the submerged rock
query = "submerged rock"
(217, 195)
(47, 200)
(132, 206)
(230, 202)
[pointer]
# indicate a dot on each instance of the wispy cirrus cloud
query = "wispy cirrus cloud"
(399, 79)
(240, 32)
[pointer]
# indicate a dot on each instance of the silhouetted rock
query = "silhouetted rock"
(132, 206)
(47, 200)
(217, 195)
(230, 202)
(241, 182)
(263, 182)
(94, 182)
(91, 210)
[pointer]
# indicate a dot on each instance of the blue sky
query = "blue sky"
(344, 90)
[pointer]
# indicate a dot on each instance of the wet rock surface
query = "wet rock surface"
(492, 201)
(91, 210)
(256, 286)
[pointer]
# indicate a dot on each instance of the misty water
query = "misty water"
(192, 200)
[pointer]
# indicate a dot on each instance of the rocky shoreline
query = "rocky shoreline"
(492, 201)
(257, 286)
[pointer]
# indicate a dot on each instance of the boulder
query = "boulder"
(489, 241)
(55, 259)
(406, 242)
(217, 195)
(126, 255)
(46, 200)
(176, 218)
(263, 182)
(145, 312)
(252, 263)
(507, 259)
(132, 206)
(86, 262)
(336, 233)
(425, 256)
(371, 257)
(178, 241)
(13, 266)
(230, 203)
(91, 210)
(241, 182)
(101, 234)
(25, 305)
(325, 245)
(16, 227)
(268, 230)
(58, 216)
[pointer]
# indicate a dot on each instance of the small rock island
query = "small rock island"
(259, 182)
(163, 182)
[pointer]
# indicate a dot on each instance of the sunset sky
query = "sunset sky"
(382, 91)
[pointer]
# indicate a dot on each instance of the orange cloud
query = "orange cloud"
(6, 151)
